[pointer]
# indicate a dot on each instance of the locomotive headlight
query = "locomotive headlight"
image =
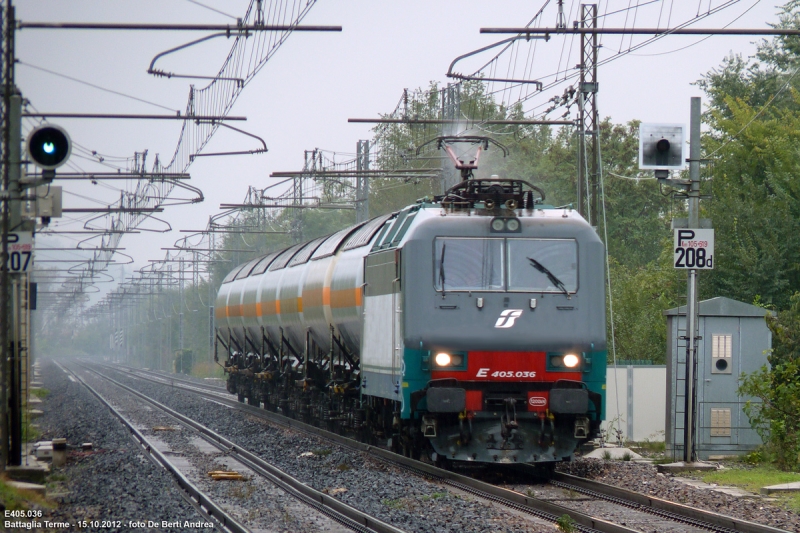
(450, 361)
(571, 360)
(443, 359)
(505, 225)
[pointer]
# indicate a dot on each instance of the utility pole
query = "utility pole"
(180, 315)
(211, 301)
(588, 123)
(689, 453)
(362, 181)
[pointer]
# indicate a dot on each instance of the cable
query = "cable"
(195, 2)
(634, 178)
(760, 111)
(96, 86)
(608, 278)
(701, 40)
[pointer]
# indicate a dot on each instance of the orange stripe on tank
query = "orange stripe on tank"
(345, 298)
(269, 308)
(290, 305)
(249, 310)
(313, 298)
(326, 296)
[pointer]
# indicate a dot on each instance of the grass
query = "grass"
(566, 524)
(321, 452)
(29, 432)
(393, 504)
(13, 499)
(434, 496)
(40, 393)
(343, 467)
(753, 478)
(207, 369)
(650, 446)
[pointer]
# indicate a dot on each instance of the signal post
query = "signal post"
(48, 147)
(661, 148)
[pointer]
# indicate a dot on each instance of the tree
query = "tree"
(776, 414)
(754, 114)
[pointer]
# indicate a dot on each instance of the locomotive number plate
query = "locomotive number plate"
(487, 373)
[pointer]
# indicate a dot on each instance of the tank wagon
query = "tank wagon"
(470, 327)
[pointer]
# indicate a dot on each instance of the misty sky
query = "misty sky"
(302, 98)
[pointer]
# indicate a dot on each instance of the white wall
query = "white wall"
(639, 408)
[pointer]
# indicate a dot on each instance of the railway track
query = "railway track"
(205, 505)
(329, 506)
(662, 513)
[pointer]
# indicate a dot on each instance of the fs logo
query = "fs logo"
(507, 318)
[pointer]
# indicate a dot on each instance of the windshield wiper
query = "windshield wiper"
(441, 267)
(553, 279)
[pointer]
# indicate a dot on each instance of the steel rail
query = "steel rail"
(515, 500)
(635, 500)
(226, 520)
(329, 506)
(657, 506)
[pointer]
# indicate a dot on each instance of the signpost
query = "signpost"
(694, 249)
(20, 251)
(661, 148)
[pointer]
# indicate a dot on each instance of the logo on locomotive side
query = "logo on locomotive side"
(507, 318)
(537, 401)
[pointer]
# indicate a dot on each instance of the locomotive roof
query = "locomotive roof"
(391, 229)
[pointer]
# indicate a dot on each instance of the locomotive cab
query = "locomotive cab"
(503, 331)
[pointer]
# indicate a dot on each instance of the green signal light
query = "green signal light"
(48, 146)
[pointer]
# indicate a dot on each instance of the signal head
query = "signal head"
(48, 146)
(661, 146)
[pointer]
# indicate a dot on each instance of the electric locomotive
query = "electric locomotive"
(470, 328)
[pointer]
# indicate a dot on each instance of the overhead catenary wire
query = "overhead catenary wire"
(98, 87)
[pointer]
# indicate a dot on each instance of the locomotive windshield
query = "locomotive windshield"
(496, 264)
(542, 265)
(469, 264)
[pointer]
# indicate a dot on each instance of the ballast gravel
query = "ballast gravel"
(393, 496)
(113, 487)
(645, 478)
(253, 501)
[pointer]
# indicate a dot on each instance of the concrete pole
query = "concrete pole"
(180, 315)
(15, 222)
(689, 453)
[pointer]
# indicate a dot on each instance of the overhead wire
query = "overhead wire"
(758, 114)
(700, 40)
(105, 89)
(195, 2)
